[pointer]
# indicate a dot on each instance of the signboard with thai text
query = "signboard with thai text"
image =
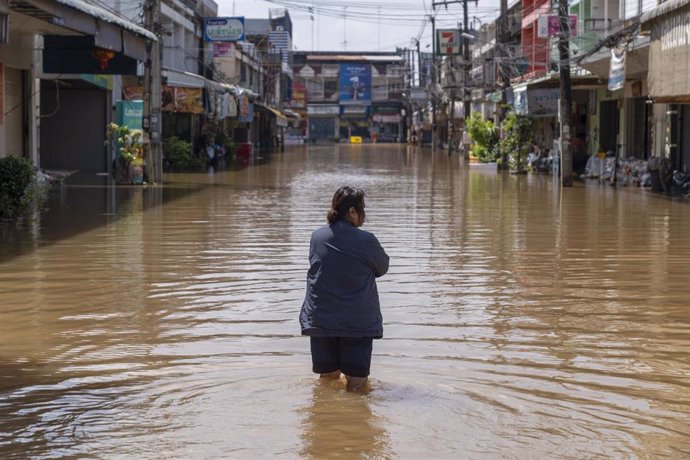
(224, 29)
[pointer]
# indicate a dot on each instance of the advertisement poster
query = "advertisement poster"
(617, 71)
(299, 94)
(189, 100)
(355, 83)
(130, 93)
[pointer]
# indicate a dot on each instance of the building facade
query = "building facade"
(349, 94)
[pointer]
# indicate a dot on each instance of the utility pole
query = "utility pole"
(566, 163)
(503, 75)
(153, 155)
(465, 55)
(433, 83)
(466, 72)
(419, 65)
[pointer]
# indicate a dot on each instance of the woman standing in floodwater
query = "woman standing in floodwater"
(341, 312)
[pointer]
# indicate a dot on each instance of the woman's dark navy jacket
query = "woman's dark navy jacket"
(342, 299)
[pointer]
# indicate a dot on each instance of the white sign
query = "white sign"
(323, 110)
(617, 71)
(224, 29)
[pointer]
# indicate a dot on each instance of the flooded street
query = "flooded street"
(519, 321)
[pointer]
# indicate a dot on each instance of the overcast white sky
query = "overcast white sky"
(369, 25)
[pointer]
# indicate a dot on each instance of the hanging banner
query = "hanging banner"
(355, 83)
(448, 42)
(617, 70)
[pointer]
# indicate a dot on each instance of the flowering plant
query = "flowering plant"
(127, 140)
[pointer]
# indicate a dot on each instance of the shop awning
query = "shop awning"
(280, 118)
(183, 79)
(290, 114)
(109, 30)
(669, 52)
(662, 9)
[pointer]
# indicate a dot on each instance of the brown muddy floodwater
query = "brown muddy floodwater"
(520, 322)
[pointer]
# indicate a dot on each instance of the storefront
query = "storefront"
(322, 122)
(387, 122)
(668, 80)
(354, 121)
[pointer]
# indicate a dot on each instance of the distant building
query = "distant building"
(344, 94)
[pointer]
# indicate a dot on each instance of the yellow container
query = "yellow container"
(355, 139)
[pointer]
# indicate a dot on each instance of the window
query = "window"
(330, 88)
(314, 88)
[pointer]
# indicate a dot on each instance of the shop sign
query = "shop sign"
(299, 94)
(520, 101)
(131, 93)
(224, 29)
(617, 70)
(448, 42)
(549, 25)
(543, 102)
(323, 110)
(102, 81)
(223, 49)
(354, 109)
(386, 109)
(132, 114)
(355, 83)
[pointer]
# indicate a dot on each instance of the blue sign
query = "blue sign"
(224, 29)
(355, 83)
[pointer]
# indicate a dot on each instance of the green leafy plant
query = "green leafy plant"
(516, 140)
(16, 177)
(484, 138)
(126, 140)
(179, 154)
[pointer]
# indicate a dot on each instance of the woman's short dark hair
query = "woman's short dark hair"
(345, 198)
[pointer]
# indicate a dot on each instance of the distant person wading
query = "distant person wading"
(341, 312)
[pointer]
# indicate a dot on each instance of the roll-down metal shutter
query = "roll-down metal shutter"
(14, 112)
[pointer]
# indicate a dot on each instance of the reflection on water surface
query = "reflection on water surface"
(519, 321)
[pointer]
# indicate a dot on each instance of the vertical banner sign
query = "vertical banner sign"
(355, 83)
(617, 71)
(448, 42)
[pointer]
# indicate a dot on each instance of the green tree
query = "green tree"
(484, 138)
(16, 177)
(516, 140)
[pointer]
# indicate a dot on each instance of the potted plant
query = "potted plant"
(129, 165)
